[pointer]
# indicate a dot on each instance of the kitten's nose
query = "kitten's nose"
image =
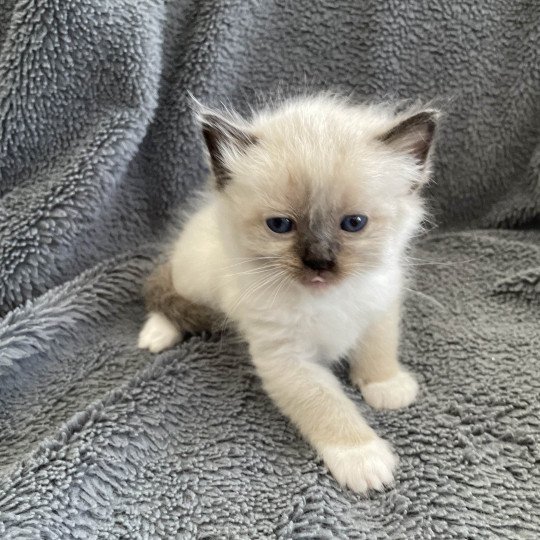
(319, 264)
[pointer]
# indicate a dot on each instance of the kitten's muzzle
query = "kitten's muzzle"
(319, 264)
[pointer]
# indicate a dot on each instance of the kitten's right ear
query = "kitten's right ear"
(222, 135)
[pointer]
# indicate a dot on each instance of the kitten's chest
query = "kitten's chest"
(327, 326)
(332, 330)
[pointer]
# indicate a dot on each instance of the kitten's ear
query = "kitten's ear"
(222, 135)
(414, 135)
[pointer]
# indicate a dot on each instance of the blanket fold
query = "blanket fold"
(99, 150)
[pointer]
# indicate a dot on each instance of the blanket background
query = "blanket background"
(98, 150)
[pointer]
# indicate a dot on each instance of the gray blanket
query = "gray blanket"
(98, 150)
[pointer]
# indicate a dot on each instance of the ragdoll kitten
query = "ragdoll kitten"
(300, 244)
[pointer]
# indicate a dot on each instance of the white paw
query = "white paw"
(158, 333)
(362, 467)
(394, 393)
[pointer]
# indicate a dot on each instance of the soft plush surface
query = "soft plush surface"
(97, 151)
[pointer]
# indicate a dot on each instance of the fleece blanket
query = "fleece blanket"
(99, 151)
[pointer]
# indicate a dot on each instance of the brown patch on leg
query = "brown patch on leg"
(161, 296)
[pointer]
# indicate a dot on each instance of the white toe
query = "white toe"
(158, 333)
(363, 467)
(394, 393)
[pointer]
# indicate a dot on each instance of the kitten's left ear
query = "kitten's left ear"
(414, 135)
(222, 135)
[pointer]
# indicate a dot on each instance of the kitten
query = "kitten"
(300, 244)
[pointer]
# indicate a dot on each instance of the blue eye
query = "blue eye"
(280, 225)
(353, 223)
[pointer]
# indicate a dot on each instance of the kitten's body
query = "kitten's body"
(308, 297)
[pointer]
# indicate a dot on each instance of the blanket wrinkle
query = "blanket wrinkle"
(99, 152)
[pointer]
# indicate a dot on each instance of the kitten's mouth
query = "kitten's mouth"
(319, 281)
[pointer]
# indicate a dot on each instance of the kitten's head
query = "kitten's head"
(318, 190)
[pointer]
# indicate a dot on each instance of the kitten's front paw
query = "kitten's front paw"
(158, 333)
(366, 466)
(394, 393)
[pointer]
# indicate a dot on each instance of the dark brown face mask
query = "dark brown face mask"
(316, 247)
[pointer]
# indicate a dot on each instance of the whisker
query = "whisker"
(249, 260)
(427, 297)
(266, 268)
(254, 287)
(253, 290)
(421, 262)
(285, 280)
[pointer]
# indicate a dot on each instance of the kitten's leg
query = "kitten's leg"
(170, 314)
(158, 333)
(314, 400)
(375, 368)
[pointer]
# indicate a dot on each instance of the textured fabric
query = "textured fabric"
(97, 151)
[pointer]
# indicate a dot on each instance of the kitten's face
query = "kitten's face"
(317, 230)
(316, 196)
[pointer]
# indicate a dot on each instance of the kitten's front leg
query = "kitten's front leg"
(314, 400)
(375, 368)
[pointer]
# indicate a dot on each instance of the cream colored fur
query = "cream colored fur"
(313, 157)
